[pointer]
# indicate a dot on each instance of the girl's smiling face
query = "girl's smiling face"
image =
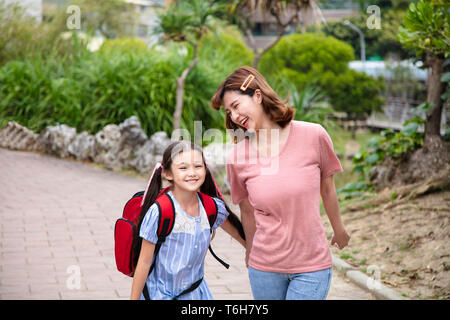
(244, 110)
(187, 171)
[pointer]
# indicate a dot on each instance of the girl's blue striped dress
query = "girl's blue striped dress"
(180, 260)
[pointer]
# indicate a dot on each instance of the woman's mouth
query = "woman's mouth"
(244, 122)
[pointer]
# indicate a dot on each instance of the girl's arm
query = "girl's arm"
(142, 269)
(330, 202)
(249, 224)
(232, 231)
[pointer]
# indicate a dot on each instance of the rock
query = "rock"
(82, 147)
(17, 137)
(56, 139)
(131, 134)
(145, 160)
(123, 146)
(150, 153)
(161, 141)
(105, 140)
(131, 139)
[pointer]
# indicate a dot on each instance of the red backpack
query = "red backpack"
(126, 228)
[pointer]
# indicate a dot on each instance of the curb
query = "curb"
(369, 284)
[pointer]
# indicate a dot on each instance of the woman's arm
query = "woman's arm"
(249, 224)
(232, 231)
(142, 269)
(330, 202)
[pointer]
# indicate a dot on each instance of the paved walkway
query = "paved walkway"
(56, 234)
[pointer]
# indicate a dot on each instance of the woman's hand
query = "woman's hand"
(247, 254)
(340, 240)
(249, 224)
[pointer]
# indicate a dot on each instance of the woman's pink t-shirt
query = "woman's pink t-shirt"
(284, 191)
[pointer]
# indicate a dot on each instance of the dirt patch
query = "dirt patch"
(404, 240)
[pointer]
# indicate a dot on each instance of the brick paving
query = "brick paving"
(56, 234)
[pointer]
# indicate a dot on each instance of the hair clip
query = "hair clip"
(247, 82)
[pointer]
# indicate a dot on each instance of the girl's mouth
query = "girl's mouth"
(192, 181)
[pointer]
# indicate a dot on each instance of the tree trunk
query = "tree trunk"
(180, 92)
(434, 91)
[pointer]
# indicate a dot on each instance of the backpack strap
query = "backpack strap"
(211, 211)
(166, 221)
(210, 207)
(166, 218)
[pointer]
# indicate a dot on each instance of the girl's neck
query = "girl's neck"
(186, 199)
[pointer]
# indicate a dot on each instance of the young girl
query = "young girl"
(180, 261)
(287, 248)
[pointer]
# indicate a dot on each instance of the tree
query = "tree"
(313, 59)
(427, 31)
(285, 12)
(186, 22)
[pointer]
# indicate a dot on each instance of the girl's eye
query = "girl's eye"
(182, 168)
(199, 166)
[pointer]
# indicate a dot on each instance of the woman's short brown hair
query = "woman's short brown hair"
(272, 105)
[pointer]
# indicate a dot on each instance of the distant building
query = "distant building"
(265, 29)
(143, 27)
(32, 7)
(147, 18)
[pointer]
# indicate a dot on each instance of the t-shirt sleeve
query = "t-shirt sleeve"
(329, 162)
(237, 186)
(222, 213)
(149, 225)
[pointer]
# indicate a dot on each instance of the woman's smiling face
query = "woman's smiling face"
(244, 110)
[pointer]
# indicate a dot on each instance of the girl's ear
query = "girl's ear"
(167, 175)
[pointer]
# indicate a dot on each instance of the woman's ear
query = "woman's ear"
(257, 96)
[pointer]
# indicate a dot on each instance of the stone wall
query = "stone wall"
(117, 147)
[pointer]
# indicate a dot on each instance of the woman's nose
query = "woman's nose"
(234, 116)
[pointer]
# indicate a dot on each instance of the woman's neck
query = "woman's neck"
(269, 129)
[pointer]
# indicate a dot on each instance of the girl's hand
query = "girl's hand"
(340, 240)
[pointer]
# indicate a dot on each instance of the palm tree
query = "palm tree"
(186, 22)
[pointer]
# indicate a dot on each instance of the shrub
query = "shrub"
(319, 60)
(95, 89)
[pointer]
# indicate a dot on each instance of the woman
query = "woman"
(287, 251)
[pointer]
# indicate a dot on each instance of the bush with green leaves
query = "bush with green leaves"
(306, 59)
(322, 61)
(95, 89)
(395, 145)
